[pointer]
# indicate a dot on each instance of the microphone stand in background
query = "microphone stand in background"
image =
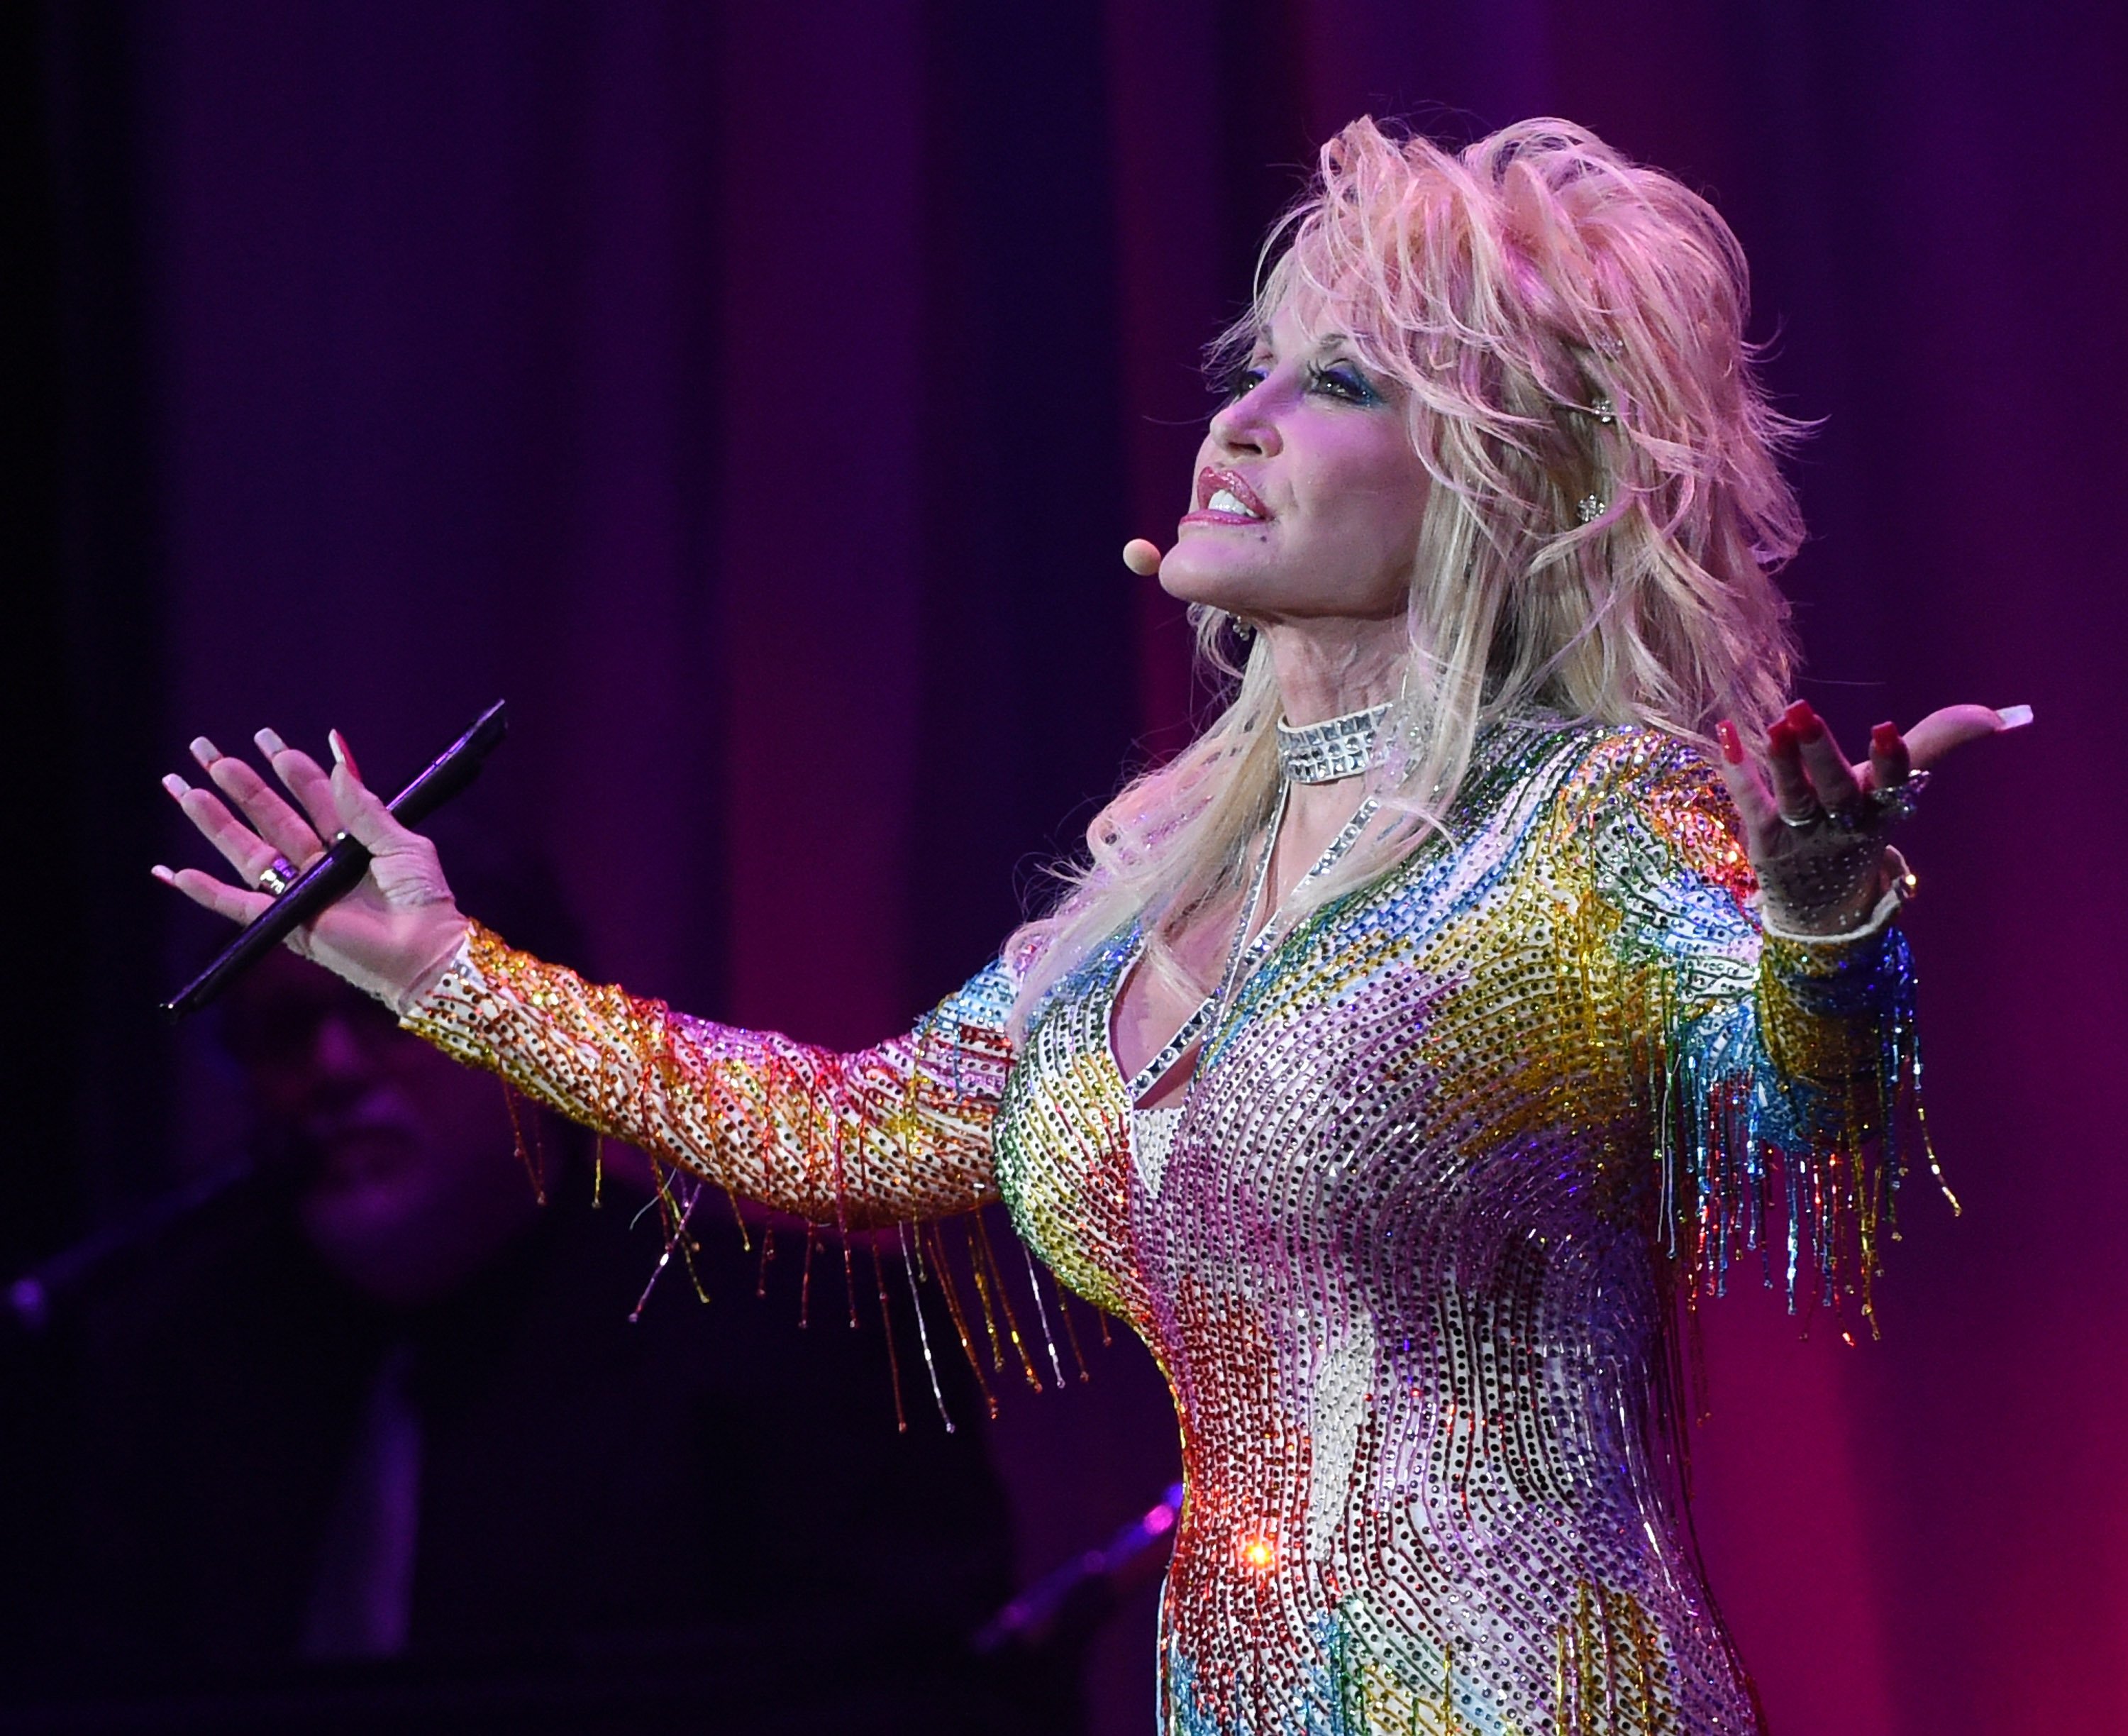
(55, 1283)
(1075, 1596)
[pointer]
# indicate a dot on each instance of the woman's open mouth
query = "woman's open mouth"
(1223, 497)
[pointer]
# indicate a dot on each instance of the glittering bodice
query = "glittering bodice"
(1407, 1258)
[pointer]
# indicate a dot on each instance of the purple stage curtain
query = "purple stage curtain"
(758, 396)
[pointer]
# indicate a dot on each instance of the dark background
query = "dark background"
(757, 395)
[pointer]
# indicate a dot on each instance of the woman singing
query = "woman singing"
(1505, 957)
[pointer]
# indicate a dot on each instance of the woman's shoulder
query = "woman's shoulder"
(1606, 778)
(1637, 794)
(1594, 762)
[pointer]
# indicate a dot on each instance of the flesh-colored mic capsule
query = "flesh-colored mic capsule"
(1142, 557)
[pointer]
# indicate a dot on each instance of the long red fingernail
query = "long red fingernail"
(1884, 739)
(339, 751)
(1781, 739)
(1802, 717)
(1732, 743)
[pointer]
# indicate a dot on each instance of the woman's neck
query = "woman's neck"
(1325, 668)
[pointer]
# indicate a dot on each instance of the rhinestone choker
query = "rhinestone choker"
(1338, 747)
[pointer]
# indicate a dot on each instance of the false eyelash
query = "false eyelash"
(1356, 388)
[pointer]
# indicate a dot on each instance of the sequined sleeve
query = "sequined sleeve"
(894, 1133)
(1776, 1066)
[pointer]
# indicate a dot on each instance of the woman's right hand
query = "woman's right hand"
(393, 935)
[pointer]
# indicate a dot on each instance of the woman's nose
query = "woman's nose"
(1249, 423)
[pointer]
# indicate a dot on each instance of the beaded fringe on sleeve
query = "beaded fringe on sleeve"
(1784, 1074)
(893, 1139)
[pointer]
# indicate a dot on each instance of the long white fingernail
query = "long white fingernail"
(164, 874)
(270, 743)
(339, 746)
(177, 786)
(2013, 717)
(204, 751)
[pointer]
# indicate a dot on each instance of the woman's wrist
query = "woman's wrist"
(401, 967)
(1855, 918)
(450, 947)
(1829, 885)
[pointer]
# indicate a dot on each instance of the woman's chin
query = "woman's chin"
(1192, 572)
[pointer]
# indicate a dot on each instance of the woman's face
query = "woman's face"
(1309, 494)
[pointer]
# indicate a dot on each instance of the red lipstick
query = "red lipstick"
(1212, 483)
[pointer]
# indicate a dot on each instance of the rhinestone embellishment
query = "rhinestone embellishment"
(1338, 747)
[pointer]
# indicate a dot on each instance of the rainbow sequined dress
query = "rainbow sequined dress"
(1465, 1141)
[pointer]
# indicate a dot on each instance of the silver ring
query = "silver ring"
(1900, 801)
(276, 876)
(1803, 822)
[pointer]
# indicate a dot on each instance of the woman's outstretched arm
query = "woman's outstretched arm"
(895, 1132)
(1760, 973)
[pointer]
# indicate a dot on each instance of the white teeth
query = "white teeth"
(1224, 500)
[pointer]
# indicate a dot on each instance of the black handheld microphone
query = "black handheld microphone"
(337, 872)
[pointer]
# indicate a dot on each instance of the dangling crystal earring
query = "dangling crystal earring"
(1241, 630)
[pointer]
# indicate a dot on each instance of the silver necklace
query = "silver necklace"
(1338, 747)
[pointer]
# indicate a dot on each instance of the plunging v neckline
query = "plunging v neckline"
(1247, 954)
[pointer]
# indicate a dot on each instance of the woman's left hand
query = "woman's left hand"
(1816, 825)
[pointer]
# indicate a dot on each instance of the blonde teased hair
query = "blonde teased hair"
(1567, 326)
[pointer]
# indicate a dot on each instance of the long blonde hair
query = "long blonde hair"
(1606, 512)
